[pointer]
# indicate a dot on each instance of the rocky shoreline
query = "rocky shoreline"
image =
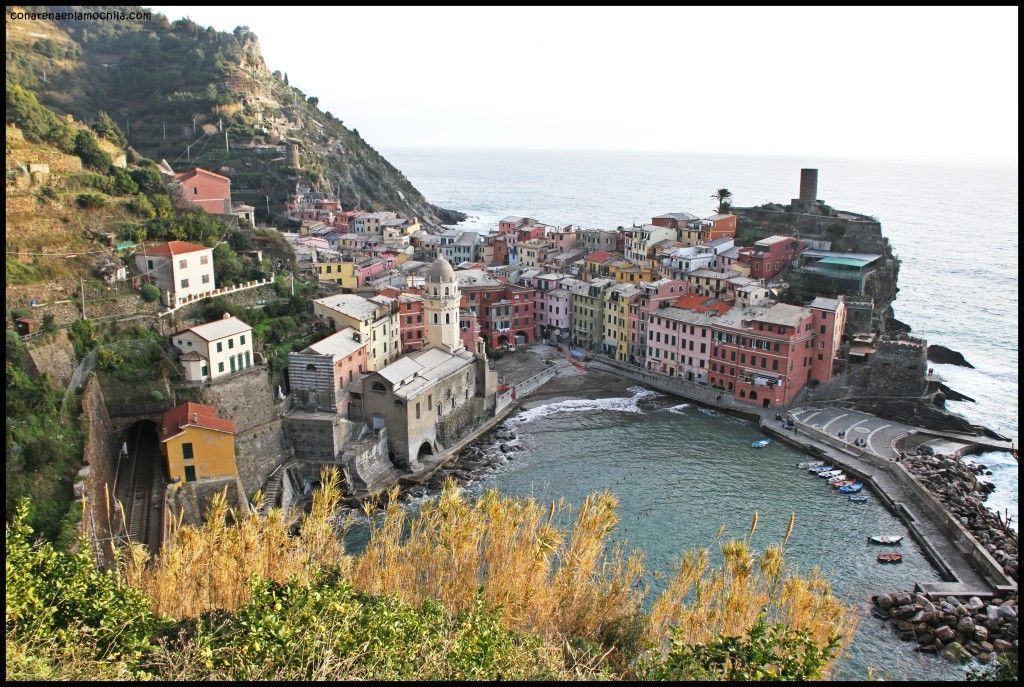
(958, 629)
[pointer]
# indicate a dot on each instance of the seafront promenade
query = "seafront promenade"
(966, 567)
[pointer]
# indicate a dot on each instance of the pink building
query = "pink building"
(763, 355)
(469, 329)
(770, 256)
(552, 307)
(829, 325)
(679, 343)
(211, 192)
(651, 294)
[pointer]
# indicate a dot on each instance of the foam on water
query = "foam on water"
(629, 404)
(1004, 477)
(678, 410)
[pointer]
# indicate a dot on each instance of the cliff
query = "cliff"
(197, 96)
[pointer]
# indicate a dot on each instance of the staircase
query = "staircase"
(273, 491)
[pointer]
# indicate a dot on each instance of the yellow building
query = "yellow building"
(197, 444)
(376, 319)
(616, 320)
(626, 272)
(338, 271)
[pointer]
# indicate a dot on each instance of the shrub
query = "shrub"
(108, 129)
(156, 394)
(47, 193)
(37, 122)
(91, 201)
(140, 206)
(108, 359)
(88, 149)
(149, 292)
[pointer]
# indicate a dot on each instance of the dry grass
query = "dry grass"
(544, 580)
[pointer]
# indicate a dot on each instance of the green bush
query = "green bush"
(149, 292)
(108, 359)
(91, 201)
(140, 206)
(88, 149)
(38, 123)
(108, 129)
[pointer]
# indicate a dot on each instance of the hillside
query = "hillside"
(197, 96)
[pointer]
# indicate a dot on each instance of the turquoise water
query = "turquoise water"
(682, 472)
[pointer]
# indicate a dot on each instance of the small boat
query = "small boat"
(859, 498)
(841, 477)
(810, 464)
(890, 558)
(819, 468)
(830, 473)
(760, 443)
(851, 488)
(890, 540)
(842, 483)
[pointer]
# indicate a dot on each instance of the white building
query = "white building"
(215, 349)
(183, 271)
(640, 240)
(376, 319)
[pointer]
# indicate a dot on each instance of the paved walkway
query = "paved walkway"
(880, 434)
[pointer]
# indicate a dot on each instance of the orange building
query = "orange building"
(211, 192)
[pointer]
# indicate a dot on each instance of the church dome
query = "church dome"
(440, 271)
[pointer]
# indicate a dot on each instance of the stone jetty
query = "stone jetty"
(958, 628)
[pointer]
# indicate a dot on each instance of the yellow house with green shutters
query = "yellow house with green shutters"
(196, 444)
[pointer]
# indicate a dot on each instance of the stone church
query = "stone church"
(429, 399)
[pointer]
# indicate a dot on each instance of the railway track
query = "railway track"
(142, 519)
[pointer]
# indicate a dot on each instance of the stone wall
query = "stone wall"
(317, 436)
(897, 369)
(247, 399)
(367, 467)
(191, 314)
(54, 356)
(100, 453)
(456, 423)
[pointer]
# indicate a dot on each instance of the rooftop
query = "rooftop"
(339, 344)
(413, 374)
(685, 216)
(772, 240)
(190, 414)
(822, 303)
(166, 250)
(600, 256)
(351, 305)
(779, 313)
(219, 329)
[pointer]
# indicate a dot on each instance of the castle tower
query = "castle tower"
(441, 307)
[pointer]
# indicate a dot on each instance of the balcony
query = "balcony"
(759, 378)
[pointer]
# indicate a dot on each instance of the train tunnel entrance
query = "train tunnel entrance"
(139, 487)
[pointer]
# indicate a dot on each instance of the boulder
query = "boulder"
(886, 601)
(984, 657)
(904, 599)
(980, 633)
(974, 604)
(904, 626)
(1007, 611)
(926, 639)
(880, 613)
(986, 647)
(958, 652)
(945, 634)
(1001, 645)
(991, 612)
(918, 617)
(927, 648)
(907, 636)
(905, 612)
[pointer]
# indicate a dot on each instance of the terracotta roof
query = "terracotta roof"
(702, 304)
(599, 256)
(191, 414)
(166, 250)
(187, 175)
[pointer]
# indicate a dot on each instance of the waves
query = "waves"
(1004, 477)
(678, 410)
(630, 404)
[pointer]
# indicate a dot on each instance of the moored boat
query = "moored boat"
(859, 498)
(829, 473)
(819, 468)
(841, 477)
(890, 558)
(760, 443)
(887, 539)
(810, 464)
(851, 488)
(842, 484)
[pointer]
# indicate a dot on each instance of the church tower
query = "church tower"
(441, 307)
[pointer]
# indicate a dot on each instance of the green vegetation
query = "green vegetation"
(43, 448)
(37, 122)
(484, 589)
(149, 293)
(88, 149)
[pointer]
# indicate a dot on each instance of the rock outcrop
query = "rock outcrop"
(947, 356)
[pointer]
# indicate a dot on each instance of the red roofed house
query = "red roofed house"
(182, 270)
(211, 192)
(197, 444)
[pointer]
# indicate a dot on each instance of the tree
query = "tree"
(286, 78)
(88, 149)
(106, 127)
(723, 195)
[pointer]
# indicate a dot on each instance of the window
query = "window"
(248, 363)
(183, 264)
(206, 279)
(204, 372)
(204, 260)
(184, 283)
(220, 346)
(232, 361)
(220, 367)
(241, 340)
(231, 343)
(149, 263)
(190, 473)
(186, 451)
(417, 411)
(378, 387)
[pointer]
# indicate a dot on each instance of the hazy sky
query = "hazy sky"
(876, 82)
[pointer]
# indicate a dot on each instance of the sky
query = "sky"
(909, 84)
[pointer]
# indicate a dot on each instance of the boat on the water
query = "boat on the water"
(886, 539)
(819, 468)
(760, 443)
(890, 558)
(842, 483)
(851, 488)
(859, 498)
(810, 464)
(830, 473)
(841, 477)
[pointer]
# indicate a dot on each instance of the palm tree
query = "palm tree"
(723, 195)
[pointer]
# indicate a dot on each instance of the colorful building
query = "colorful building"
(207, 190)
(770, 256)
(679, 342)
(649, 298)
(322, 376)
(183, 271)
(376, 319)
(617, 299)
(588, 311)
(640, 242)
(829, 327)
(196, 444)
(215, 349)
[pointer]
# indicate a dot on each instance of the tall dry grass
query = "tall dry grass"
(543, 579)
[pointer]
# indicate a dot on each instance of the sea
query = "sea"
(955, 230)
